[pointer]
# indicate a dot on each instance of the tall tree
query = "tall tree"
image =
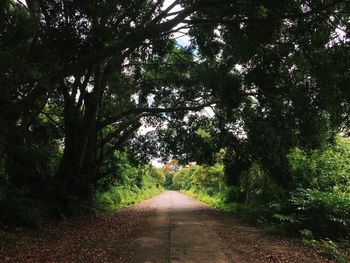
(97, 69)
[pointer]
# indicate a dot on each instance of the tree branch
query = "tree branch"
(120, 129)
(246, 19)
(52, 120)
(153, 111)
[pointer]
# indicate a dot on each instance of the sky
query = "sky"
(182, 40)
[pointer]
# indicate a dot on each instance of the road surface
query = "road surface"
(170, 227)
(185, 230)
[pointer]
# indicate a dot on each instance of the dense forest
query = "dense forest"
(258, 99)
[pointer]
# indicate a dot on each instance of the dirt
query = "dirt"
(170, 227)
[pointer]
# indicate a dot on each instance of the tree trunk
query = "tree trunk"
(79, 163)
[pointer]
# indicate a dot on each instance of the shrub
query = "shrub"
(324, 213)
(331, 250)
(256, 187)
(197, 178)
(131, 185)
(325, 169)
(17, 209)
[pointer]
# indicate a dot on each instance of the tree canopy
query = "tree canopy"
(79, 78)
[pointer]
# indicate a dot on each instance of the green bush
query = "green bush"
(17, 209)
(326, 170)
(331, 250)
(324, 213)
(205, 183)
(208, 179)
(317, 198)
(255, 187)
(121, 196)
(321, 178)
(132, 184)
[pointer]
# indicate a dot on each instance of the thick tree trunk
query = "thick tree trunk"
(72, 186)
(79, 163)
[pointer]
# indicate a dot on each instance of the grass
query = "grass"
(120, 197)
(216, 201)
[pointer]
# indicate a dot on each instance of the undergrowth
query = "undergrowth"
(316, 198)
(122, 196)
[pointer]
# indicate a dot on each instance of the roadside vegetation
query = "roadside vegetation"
(256, 95)
(134, 184)
(129, 183)
(315, 206)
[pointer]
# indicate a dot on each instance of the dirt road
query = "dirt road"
(179, 232)
(170, 227)
(185, 230)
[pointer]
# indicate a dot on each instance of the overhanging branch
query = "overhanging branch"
(151, 111)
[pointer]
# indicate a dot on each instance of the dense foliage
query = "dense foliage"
(134, 183)
(317, 201)
(256, 99)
